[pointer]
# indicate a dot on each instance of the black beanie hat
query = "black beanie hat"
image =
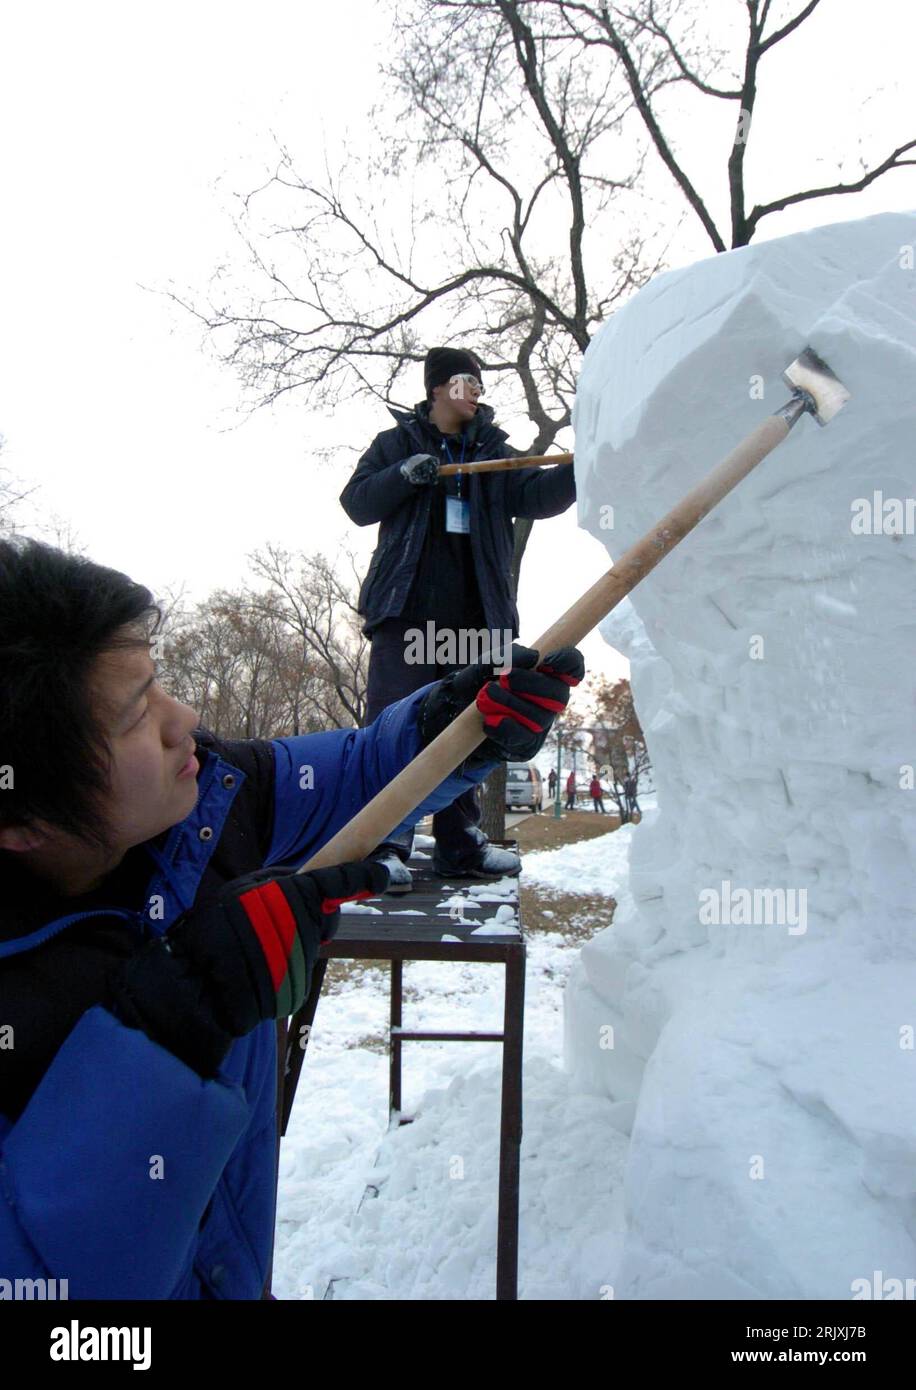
(442, 363)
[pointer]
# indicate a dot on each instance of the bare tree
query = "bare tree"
(10, 497)
(235, 661)
(656, 42)
(619, 746)
(12, 494)
(520, 230)
(317, 603)
(509, 238)
(49, 527)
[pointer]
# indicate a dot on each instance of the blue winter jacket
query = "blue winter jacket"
(378, 493)
(121, 1169)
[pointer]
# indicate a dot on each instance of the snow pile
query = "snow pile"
(430, 1232)
(752, 1009)
(587, 866)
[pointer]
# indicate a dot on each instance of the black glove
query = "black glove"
(420, 468)
(518, 708)
(245, 957)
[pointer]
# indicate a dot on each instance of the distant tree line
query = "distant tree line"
(284, 658)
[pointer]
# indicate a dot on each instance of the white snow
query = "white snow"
(588, 866)
(430, 1233)
(492, 892)
(766, 1073)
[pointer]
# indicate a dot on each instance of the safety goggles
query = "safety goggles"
(467, 379)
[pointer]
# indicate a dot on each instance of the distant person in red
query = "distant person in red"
(597, 795)
(571, 792)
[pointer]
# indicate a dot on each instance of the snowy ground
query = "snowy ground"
(590, 866)
(431, 1232)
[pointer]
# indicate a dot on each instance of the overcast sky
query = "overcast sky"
(128, 127)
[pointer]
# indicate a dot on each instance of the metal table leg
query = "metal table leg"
(394, 1041)
(510, 1137)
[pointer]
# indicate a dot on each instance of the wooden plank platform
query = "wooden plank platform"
(460, 908)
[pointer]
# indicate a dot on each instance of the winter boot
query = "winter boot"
(400, 879)
(489, 861)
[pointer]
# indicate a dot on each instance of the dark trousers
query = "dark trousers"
(455, 827)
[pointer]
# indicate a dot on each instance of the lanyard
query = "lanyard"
(448, 454)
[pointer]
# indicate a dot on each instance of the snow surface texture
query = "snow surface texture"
(587, 866)
(765, 1070)
(431, 1232)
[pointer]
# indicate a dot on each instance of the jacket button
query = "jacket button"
(205, 832)
(228, 780)
(218, 1275)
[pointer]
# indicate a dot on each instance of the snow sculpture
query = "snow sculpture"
(752, 1010)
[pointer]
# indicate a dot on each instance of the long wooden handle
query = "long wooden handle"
(497, 465)
(433, 764)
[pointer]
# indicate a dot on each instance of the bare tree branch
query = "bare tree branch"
(652, 25)
(614, 39)
(893, 161)
(786, 29)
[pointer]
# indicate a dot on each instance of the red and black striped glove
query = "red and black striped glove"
(242, 959)
(518, 708)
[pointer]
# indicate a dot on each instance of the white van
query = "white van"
(524, 787)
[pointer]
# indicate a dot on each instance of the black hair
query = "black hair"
(58, 613)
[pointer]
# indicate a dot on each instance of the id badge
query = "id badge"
(458, 515)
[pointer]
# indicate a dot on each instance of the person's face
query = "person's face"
(153, 778)
(463, 392)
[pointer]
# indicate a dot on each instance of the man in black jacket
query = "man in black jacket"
(440, 577)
